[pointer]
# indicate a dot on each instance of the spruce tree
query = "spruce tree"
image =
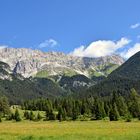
(134, 104)
(122, 107)
(98, 114)
(32, 116)
(120, 103)
(64, 114)
(74, 114)
(51, 115)
(103, 109)
(17, 116)
(84, 108)
(47, 115)
(99, 110)
(128, 117)
(107, 109)
(60, 114)
(26, 115)
(11, 116)
(39, 117)
(4, 106)
(48, 109)
(114, 114)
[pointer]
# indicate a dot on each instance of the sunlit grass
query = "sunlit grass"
(88, 130)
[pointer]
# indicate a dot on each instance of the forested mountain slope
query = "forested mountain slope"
(121, 80)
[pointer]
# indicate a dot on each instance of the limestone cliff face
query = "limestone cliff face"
(28, 62)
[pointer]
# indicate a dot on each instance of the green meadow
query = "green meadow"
(70, 130)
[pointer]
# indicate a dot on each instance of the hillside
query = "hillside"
(121, 80)
(75, 83)
(130, 69)
(17, 88)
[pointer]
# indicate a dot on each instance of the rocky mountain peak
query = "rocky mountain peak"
(28, 62)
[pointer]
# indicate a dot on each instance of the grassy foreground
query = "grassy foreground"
(88, 130)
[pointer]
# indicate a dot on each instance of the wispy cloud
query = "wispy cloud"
(134, 26)
(131, 51)
(100, 48)
(48, 43)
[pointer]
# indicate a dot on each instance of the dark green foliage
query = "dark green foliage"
(32, 116)
(47, 115)
(107, 108)
(49, 87)
(64, 114)
(38, 104)
(27, 115)
(18, 90)
(68, 83)
(11, 116)
(74, 114)
(128, 117)
(0, 119)
(4, 106)
(114, 114)
(84, 108)
(122, 107)
(51, 115)
(134, 104)
(98, 79)
(99, 110)
(120, 103)
(17, 116)
(130, 69)
(39, 117)
(60, 114)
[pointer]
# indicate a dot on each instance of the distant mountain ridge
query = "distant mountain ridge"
(28, 62)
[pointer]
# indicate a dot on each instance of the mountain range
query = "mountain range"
(35, 63)
(27, 74)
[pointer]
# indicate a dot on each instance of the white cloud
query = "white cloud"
(134, 26)
(100, 48)
(131, 51)
(48, 43)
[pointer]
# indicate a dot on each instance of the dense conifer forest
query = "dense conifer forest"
(113, 108)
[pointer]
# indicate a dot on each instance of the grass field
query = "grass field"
(88, 130)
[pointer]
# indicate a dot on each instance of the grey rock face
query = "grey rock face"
(28, 62)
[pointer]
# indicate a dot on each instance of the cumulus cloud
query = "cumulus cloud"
(131, 51)
(134, 26)
(100, 48)
(48, 43)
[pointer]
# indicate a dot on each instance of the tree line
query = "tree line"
(113, 108)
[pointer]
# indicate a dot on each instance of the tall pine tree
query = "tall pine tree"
(114, 114)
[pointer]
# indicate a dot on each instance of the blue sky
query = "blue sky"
(71, 25)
